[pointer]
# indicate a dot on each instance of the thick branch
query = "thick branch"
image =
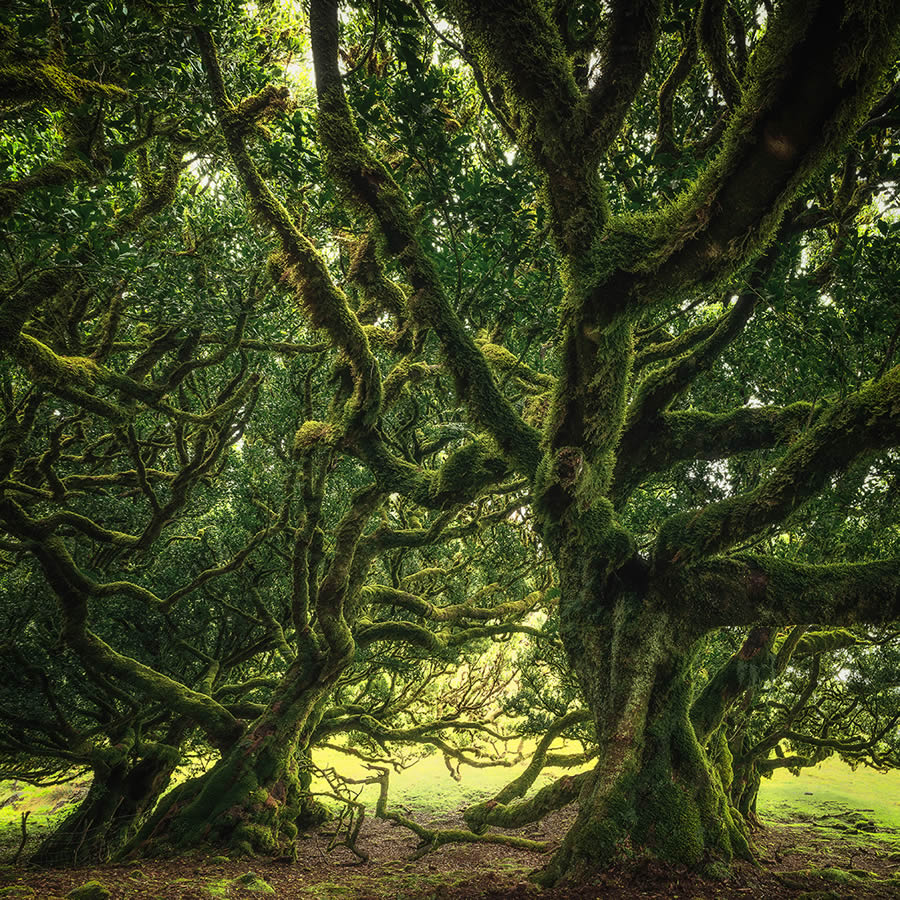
(694, 434)
(867, 420)
(388, 596)
(812, 78)
(714, 44)
(626, 51)
(503, 812)
(302, 265)
(663, 385)
(419, 636)
(333, 589)
(519, 49)
(757, 590)
(370, 182)
(732, 680)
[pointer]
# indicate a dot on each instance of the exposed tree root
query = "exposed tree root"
(430, 839)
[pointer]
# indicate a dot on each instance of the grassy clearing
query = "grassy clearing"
(829, 788)
(832, 784)
(861, 805)
(427, 788)
(46, 806)
(831, 794)
(17, 797)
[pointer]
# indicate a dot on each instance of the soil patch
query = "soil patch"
(798, 860)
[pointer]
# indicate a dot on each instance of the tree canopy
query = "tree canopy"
(431, 373)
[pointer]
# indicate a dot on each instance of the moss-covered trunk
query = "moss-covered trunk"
(256, 797)
(745, 791)
(656, 790)
(121, 794)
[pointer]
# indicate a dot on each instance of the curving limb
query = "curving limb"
(370, 182)
(812, 78)
(865, 421)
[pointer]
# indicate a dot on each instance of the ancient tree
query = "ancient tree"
(618, 414)
(191, 559)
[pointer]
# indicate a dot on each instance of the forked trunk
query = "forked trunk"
(744, 793)
(655, 790)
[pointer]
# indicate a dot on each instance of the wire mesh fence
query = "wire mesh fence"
(53, 842)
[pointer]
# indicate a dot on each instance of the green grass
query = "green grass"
(829, 791)
(47, 807)
(829, 788)
(41, 802)
(427, 789)
(833, 789)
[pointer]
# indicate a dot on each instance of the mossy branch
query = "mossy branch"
(460, 479)
(747, 669)
(404, 375)
(46, 366)
(369, 181)
(520, 51)
(238, 689)
(811, 81)
(384, 595)
(714, 45)
(431, 839)
(787, 647)
(518, 48)
(505, 363)
(88, 527)
(380, 294)
(786, 762)
(57, 173)
(47, 82)
(498, 810)
(678, 74)
(218, 723)
(695, 434)
(815, 642)
(867, 420)
(333, 589)
(626, 50)
(520, 812)
(767, 591)
(301, 264)
(18, 305)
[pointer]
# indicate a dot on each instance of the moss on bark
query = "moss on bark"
(256, 797)
(656, 790)
(121, 794)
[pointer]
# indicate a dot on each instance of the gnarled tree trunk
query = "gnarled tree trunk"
(745, 791)
(256, 797)
(655, 790)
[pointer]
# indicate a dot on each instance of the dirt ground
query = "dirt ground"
(799, 860)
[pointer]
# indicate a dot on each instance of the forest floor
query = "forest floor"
(831, 833)
(831, 856)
